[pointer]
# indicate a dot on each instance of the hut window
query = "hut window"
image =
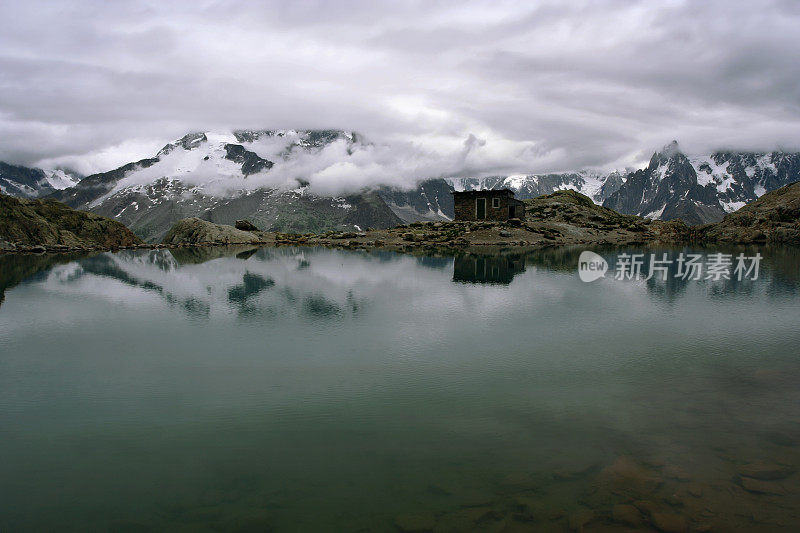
(495, 202)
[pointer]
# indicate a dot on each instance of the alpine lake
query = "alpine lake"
(309, 389)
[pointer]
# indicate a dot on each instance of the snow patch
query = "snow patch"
(730, 207)
(660, 171)
(656, 214)
(710, 173)
(58, 179)
(341, 203)
(516, 181)
(765, 163)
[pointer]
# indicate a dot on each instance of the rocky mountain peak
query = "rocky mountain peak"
(671, 149)
(203, 174)
(187, 142)
(670, 156)
(250, 161)
(24, 182)
(304, 138)
(668, 188)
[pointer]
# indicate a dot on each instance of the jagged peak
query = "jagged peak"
(669, 153)
(313, 137)
(187, 142)
(671, 149)
(303, 138)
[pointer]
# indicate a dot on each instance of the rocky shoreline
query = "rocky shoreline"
(37, 226)
(558, 219)
(21, 248)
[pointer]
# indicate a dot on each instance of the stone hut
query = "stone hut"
(496, 205)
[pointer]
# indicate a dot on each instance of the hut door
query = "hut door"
(480, 208)
(511, 211)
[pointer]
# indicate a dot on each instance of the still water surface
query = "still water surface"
(317, 390)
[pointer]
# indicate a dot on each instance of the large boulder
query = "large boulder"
(197, 231)
(245, 225)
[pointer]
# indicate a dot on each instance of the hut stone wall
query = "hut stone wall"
(466, 205)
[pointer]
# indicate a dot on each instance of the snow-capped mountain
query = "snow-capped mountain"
(27, 182)
(741, 178)
(222, 177)
(701, 189)
(430, 200)
(697, 190)
(262, 175)
(594, 184)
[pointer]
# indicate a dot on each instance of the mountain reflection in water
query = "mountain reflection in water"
(779, 272)
(304, 389)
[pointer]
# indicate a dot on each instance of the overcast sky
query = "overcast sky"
(524, 86)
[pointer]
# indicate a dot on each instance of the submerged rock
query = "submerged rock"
(676, 472)
(453, 523)
(764, 471)
(759, 486)
(627, 514)
(516, 482)
(669, 522)
(415, 523)
(529, 505)
(645, 506)
(480, 514)
(574, 467)
(579, 518)
(626, 476)
(695, 489)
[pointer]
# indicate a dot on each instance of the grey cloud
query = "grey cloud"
(544, 87)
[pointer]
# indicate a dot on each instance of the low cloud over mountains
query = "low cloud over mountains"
(474, 88)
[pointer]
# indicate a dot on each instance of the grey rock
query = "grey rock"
(195, 230)
(245, 225)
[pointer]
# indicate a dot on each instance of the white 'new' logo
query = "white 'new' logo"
(591, 266)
